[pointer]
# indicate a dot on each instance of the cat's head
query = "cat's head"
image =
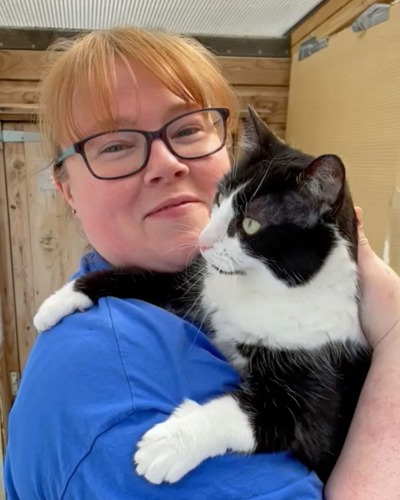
(281, 207)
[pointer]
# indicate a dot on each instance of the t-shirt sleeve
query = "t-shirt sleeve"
(107, 471)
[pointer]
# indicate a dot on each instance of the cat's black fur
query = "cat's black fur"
(297, 399)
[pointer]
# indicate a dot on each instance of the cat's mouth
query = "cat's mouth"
(228, 273)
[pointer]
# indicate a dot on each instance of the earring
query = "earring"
(73, 211)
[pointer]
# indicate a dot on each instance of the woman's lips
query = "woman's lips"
(173, 211)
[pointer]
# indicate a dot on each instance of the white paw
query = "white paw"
(173, 448)
(192, 434)
(62, 303)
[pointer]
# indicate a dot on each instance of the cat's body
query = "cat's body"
(278, 292)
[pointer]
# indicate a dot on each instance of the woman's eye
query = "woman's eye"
(219, 199)
(187, 132)
(250, 226)
(115, 148)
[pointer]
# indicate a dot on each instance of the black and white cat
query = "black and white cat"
(279, 296)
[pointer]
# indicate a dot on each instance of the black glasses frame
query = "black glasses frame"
(150, 136)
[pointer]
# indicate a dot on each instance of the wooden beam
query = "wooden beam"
(19, 98)
(320, 15)
(19, 92)
(256, 70)
(29, 65)
(340, 19)
(42, 38)
(269, 101)
(22, 64)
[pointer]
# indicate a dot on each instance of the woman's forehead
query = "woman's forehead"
(137, 100)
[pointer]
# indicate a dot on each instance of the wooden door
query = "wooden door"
(39, 247)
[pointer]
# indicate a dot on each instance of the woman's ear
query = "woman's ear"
(65, 189)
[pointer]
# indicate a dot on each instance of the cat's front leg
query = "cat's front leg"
(62, 303)
(192, 434)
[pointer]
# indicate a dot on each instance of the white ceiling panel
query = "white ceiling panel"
(237, 18)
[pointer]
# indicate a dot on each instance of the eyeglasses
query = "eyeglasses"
(125, 152)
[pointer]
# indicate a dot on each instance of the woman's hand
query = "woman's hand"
(369, 464)
(380, 294)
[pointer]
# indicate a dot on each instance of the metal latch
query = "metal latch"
(19, 136)
(14, 382)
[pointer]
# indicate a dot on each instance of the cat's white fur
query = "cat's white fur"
(60, 304)
(254, 303)
(192, 434)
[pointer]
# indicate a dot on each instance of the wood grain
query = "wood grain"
(270, 102)
(9, 347)
(29, 65)
(22, 259)
(18, 91)
(256, 70)
(22, 64)
(56, 244)
(45, 246)
(18, 100)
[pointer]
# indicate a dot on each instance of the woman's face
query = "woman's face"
(119, 217)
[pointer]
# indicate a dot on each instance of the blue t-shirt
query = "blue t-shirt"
(97, 381)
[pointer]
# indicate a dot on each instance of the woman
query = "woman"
(97, 381)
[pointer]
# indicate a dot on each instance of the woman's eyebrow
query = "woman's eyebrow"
(180, 107)
(130, 122)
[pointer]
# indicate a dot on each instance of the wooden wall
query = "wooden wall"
(262, 82)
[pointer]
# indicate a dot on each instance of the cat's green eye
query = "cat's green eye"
(220, 199)
(250, 226)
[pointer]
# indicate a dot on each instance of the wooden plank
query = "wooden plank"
(19, 117)
(270, 102)
(16, 109)
(340, 20)
(325, 11)
(45, 246)
(16, 178)
(25, 92)
(19, 98)
(2, 448)
(56, 244)
(22, 64)
(5, 399)
(29, 65)
(9, 348)
(256, 70)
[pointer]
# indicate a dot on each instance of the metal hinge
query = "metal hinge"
(311, 46)
(14, 383)
(375, 14)
(19, 136)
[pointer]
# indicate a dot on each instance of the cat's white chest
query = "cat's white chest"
(257, 309)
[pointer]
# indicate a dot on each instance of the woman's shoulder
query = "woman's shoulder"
(130, 348)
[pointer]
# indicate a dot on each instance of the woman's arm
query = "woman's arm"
(369, 465)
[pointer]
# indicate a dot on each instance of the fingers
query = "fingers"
(362, 239)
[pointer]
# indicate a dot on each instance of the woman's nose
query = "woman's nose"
(163, 166)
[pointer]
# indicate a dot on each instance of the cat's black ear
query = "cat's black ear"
(257, 133)
(325, 180)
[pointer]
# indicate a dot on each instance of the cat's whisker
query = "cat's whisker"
(183, 246)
